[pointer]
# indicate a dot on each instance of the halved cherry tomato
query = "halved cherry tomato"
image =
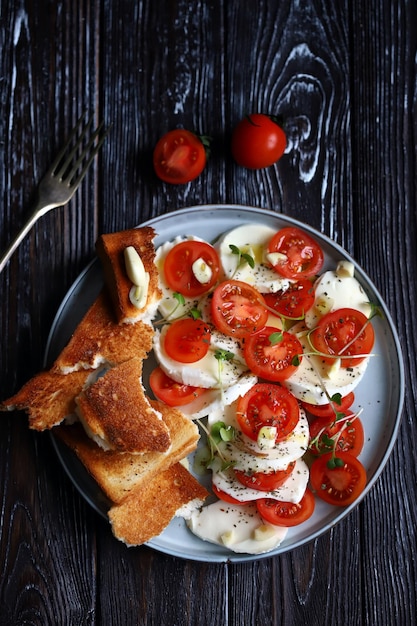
(294, 302)
(170, 391)
(238, 309)
(179, 157)
(222, 495)
(187, 340)
(264, 481)
(178, 267)
(331, 408)
(341, 328)
(286, 513)
(267, 405)
(340, 485)
(271, 354)
(258, 141)
(343, 435)
(300, 256)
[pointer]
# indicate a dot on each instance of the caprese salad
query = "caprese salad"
(265, 350)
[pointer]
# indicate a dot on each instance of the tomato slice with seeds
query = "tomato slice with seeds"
(300, 256)
(330, 409)
(286, 513)
(339, 485)
(345, 333)
(294, 302)
(267, 405)
(187, 340)
(238, 309)
(271, 354)
(343, 435)
(178, 267)
(222, 495)
(179, 157)
(263, 481)
(170, 391)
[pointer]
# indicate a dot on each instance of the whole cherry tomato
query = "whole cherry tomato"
(258, 141)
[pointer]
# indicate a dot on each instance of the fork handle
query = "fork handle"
(36, 214)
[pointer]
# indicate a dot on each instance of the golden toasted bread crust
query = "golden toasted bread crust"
(48, 398)
(149, 509)
(99, 339)
(116, 410)
(110, 249)
(119, 474)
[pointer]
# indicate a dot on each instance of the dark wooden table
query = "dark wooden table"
(343, 74)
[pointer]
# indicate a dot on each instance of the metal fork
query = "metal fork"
(64, 176)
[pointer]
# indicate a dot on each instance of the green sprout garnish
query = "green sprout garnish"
(242, 256)
(275, 338)
(218, 433)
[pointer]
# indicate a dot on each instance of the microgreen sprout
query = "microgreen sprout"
(243, 257)
(221, 356)
(275, 338)
(219, 432)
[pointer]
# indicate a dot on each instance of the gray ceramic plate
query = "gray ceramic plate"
(380, 393)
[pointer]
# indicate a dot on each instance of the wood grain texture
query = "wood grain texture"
(343, 75)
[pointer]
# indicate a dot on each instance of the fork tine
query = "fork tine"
(65, 169)
(58, 160)
(73, 179)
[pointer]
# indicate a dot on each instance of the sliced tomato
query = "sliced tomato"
(238, 309)
(300, 256)
(267, 405)
(271, 354)
(187, 340)
(179, 156)
(342, 435)
(294, 302)
(340, 485)
(345, 333)
(222, 495)
(264, 481)
(286, 513)
(170, 391)
(330, 409)
(178, 267)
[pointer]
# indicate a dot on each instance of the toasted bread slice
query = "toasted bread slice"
(119, 474)
(148, 510)
(99, 339)
(116, 413)
(110, 249)
(48, 398)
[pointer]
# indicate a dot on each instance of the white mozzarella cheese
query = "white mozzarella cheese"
(251, 239)
(311, 379)
(239, 528)
(208, 372)
(246, 452)
(336, 290)
(212, 401)
(291, 491)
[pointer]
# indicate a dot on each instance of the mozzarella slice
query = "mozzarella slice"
(239, 528)
(336, 290)
(250, 239)
(311, 379)
(291, 491)
(213, 400)
(209, 372)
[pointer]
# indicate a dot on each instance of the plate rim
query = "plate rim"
(229, 556)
